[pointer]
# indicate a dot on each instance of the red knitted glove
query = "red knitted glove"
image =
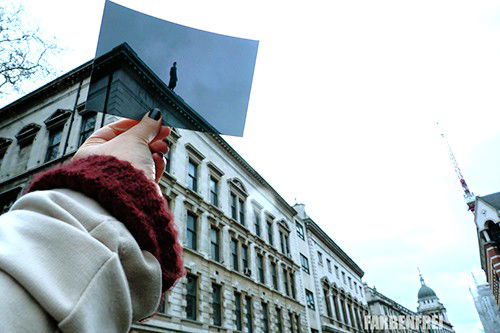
(131, 198)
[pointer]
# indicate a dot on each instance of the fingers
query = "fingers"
(111, 131)
(160, 164)
(158, 147)
(148, 128)
(163, 133)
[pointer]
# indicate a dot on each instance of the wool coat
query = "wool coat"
(90, 248)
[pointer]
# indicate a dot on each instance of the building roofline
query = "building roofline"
(323, 236)
(391, 301)
(58, 84)
(83, 71)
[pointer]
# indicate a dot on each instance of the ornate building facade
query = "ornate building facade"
(332, 277)
(487, 219)
(243, 243)
(486, 307)
(430, 316)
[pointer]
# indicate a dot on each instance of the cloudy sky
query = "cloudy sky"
(342, 118)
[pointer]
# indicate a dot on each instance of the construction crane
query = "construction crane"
(469, 197)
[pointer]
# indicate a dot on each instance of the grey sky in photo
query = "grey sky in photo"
(214, 71)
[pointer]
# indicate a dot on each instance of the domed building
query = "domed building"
(429, 305)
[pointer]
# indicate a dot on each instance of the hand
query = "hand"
(140, 143)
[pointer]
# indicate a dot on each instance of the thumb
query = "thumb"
(149, 126)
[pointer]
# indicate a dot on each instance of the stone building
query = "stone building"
(429, 305)
(381, 305)
(430, 316)
(243, 242)
(487, 219)
(486, 307)
(334, 290)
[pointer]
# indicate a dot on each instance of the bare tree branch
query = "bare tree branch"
(23, 52)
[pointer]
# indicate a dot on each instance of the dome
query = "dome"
(426, 292)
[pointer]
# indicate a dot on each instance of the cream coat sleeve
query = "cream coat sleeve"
(66, 264)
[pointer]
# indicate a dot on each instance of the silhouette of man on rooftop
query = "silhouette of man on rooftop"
(173, 76)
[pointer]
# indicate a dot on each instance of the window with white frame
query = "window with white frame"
(270, 232)
(193, 163)
(256, 221)
(310, 300)
(215, 175)
(237, 198)
(305, 263)
(320, 258)
(300, 230)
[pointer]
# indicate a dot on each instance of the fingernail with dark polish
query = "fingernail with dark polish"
(155, 114)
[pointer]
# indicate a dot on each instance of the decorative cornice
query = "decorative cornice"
(58, 118)
(27, 133)
(318, 232)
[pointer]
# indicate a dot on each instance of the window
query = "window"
(290, 318)
(329, 265)
(355, 287)
(337, 271)
(88, 126)
(285, 282)
(327, 302)
(350, 282)
(297, 321)
(216, 304)
(310, 299)
(300, 230)
(270, 233)
(244, 256)
(8, 198)
(237, 208)
(279, 320)
(23, 157)
(214, 198)
(360, 291)
(343, 277)
(256, 222)
(305, 263)
(191, 233)
(191, 296)
(192, 182)
(234, 206)
(292, 284)
(161, 307)
(285, 246)
(260, 268)
(237, 311)
(54, 142)
(214, 243)
(242, 211)
(274, 275)
(265, 318)
(168, 159)
(234, 254)
(320, 258)
(248, 304)
(2, 155)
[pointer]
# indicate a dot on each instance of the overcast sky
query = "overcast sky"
(342, 118)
